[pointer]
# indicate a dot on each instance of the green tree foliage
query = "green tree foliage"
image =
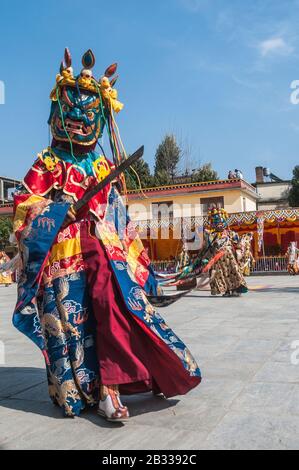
(162, 178)
(142, 169)
(5, 230)
(167, 158)
(205, 173)
(294, 192)
(166, 171)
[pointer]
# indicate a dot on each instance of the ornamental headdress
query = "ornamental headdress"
(86, 81)
(83, 106)
(218, 218)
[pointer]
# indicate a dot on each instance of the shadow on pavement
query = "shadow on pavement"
(31, 383)
(282, 290)
(208, 297)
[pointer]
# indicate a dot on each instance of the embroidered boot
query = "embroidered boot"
(227, 294)
(235, 293)
(110, 406)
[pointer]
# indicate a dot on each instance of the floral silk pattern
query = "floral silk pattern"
(53, 307)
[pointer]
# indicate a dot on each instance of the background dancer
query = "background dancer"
(226, 277)
(292, 255)
(5, 275)
(245, 256)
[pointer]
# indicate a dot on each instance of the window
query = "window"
(162, 210)
(207, 202)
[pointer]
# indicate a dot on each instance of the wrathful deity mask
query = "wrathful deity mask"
(81, 105)
(78, 116)
(218, 219)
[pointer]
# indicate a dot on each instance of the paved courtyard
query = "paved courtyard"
(249, 397)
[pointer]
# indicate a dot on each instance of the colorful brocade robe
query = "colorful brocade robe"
(53, 307)
(225, 272)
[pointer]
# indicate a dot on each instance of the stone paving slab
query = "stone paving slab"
(249, 397)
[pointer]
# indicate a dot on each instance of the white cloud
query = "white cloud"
(275, 46)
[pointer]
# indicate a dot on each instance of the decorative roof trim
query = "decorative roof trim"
(188, 187)
(238, 218)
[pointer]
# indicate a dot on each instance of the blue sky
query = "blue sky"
(217, 73)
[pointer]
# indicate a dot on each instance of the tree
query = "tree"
(162, 178)
(5, 230)
(168, 155)
(205, 173)
(294, 192)
(141, 169)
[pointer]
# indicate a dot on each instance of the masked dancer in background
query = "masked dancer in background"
(220, 247)
(5, 275)
(245, 255)
(183, 258)
(292, 256)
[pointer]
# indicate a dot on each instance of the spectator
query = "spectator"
(239, 174)
(231, 175)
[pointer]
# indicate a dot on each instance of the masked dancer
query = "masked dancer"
(220, 247)
(82, 292)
